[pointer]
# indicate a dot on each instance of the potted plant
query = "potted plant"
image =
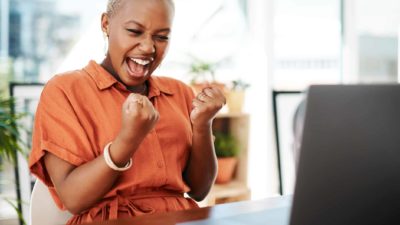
(226, 149)
(10, 143)
(9, 136)
(235, 96)
(203, 75)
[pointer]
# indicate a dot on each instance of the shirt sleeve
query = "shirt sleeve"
(57, 130)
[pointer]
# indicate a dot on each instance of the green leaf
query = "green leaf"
(10, 140)
(14, 205)
(225, 145)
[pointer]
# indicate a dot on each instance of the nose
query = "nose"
(147, 46)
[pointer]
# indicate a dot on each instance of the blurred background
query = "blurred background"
(277, 47)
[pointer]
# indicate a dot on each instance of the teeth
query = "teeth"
(141, 61)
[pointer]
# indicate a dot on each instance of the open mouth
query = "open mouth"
(138, 67)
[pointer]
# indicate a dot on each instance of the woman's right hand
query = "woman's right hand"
(138, 118)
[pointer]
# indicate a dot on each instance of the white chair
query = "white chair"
(43, 210)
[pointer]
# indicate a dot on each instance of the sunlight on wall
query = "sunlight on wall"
(89, 47)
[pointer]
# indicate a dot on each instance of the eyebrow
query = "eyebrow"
(140, 25)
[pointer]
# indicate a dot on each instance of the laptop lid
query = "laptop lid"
(349, 167)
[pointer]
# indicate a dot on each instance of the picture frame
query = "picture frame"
(285, 104)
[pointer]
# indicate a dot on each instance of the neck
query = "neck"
(139, 89)
(106, 64)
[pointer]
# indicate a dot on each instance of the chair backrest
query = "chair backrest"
(43, 210)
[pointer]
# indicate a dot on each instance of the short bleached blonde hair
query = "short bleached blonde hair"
(113, 6)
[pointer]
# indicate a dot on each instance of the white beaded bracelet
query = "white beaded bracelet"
(110, 163)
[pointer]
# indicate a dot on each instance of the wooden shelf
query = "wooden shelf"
(230, 192)
(231, 115)
(237, 124)
(231, 189)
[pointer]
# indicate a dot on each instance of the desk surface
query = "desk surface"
(209, 213)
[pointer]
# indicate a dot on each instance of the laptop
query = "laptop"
(349, 166)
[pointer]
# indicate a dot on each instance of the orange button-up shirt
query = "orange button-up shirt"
(79, 112)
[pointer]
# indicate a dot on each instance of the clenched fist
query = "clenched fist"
(206, 105)
(138, 117)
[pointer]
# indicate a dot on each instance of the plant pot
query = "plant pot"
(226, 167)
(235, 100)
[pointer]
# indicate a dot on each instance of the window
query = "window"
(307, 43)
(377, 27)
(307, 50)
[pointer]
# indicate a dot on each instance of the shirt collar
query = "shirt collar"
(157, 87)
(105, 80)
(101, 77)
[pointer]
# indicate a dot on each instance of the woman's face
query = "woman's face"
(138, 34)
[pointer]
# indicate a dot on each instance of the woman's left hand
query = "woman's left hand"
(206, 105)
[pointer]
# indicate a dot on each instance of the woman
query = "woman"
(113, 141)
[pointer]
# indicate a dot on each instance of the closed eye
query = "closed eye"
(134, 31)
(162, 37)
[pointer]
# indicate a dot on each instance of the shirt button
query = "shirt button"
(160, 164)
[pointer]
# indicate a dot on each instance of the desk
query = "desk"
(209, 215)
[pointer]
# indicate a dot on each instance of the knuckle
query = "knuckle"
(209, 107)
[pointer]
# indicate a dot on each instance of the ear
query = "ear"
(105, 21)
